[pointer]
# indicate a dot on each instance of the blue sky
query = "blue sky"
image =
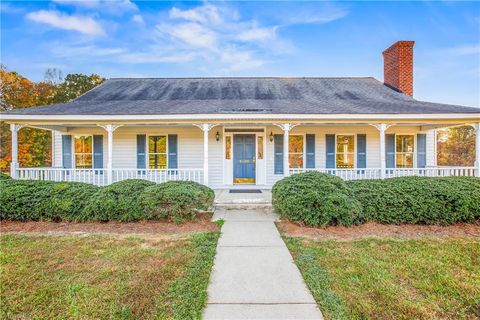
(181, 39)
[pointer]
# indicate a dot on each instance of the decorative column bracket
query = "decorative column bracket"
(205, 126)
(286, 126)
(110, 127)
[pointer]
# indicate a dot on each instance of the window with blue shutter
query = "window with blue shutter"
(330, 150)
(361, 150)
(390, 150)
(278, 150)
(67, 151)
(310, 141)
(141, 153)
(421, 150)
(98, 151)
(172, 151)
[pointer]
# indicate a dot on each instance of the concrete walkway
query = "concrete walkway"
(254, 276)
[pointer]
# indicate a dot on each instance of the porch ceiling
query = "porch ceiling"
(66, 127)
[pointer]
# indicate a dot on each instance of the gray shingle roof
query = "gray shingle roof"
(243, 95)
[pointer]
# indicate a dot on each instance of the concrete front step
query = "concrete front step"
(244, 206)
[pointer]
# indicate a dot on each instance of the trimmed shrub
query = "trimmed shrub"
(4, 176)
(24, 200)
(316, 199)
(176, 200)
(419, 200)
(117, 202)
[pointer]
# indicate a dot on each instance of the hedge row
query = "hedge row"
(128, 200)
(318, 199)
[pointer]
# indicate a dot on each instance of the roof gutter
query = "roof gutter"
(205, 117)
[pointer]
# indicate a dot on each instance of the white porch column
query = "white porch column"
(14, 163)
(286, 158)
(205, 127)
(110, 128)
(476, 126)
(382, 127)
(286, 127)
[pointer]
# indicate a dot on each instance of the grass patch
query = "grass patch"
(392, 279)
(105, 277)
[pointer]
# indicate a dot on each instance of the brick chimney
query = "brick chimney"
(398, 66)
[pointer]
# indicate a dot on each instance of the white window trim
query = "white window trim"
(354, 149)
(147, 160)
(414, 149)
(74, 160)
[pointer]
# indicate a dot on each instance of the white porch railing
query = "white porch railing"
(93, 176)
(375, 173)
(99, 177)
(159, 175)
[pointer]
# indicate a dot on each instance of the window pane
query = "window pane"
(295, 144)
(260, 147)
(83, 146)
(404, 160)
(404, 143)
(83, 160)
(345, 143)
(157, 144)
(157, 161)
(296, 160)
(345, 160)
(228, 147)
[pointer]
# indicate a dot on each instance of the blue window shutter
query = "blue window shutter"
(141, 153)
(361, 150)
(67, 151)
(390, 150)
(310, 140)
(278, 150)
(98, 151)
(172, 151)
(330, 150)
(421, 150)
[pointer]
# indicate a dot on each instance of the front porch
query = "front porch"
(211, 153)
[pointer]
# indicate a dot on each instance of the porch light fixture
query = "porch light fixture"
(271, 136)
(217, 136)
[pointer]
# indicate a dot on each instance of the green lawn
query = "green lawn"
(392, 279)
(105, 277)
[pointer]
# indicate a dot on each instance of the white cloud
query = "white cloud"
(138, 19)
(83, 50)
(192, 34)
(82, 24)
(235, 60)
(463, 50)
(108, 6)
(258, 34)
(155, 57)
(204, 14)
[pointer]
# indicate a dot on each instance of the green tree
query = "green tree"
(456, 146)
(75, 85)
(16, 91)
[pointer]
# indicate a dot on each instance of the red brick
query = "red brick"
(398, 66)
